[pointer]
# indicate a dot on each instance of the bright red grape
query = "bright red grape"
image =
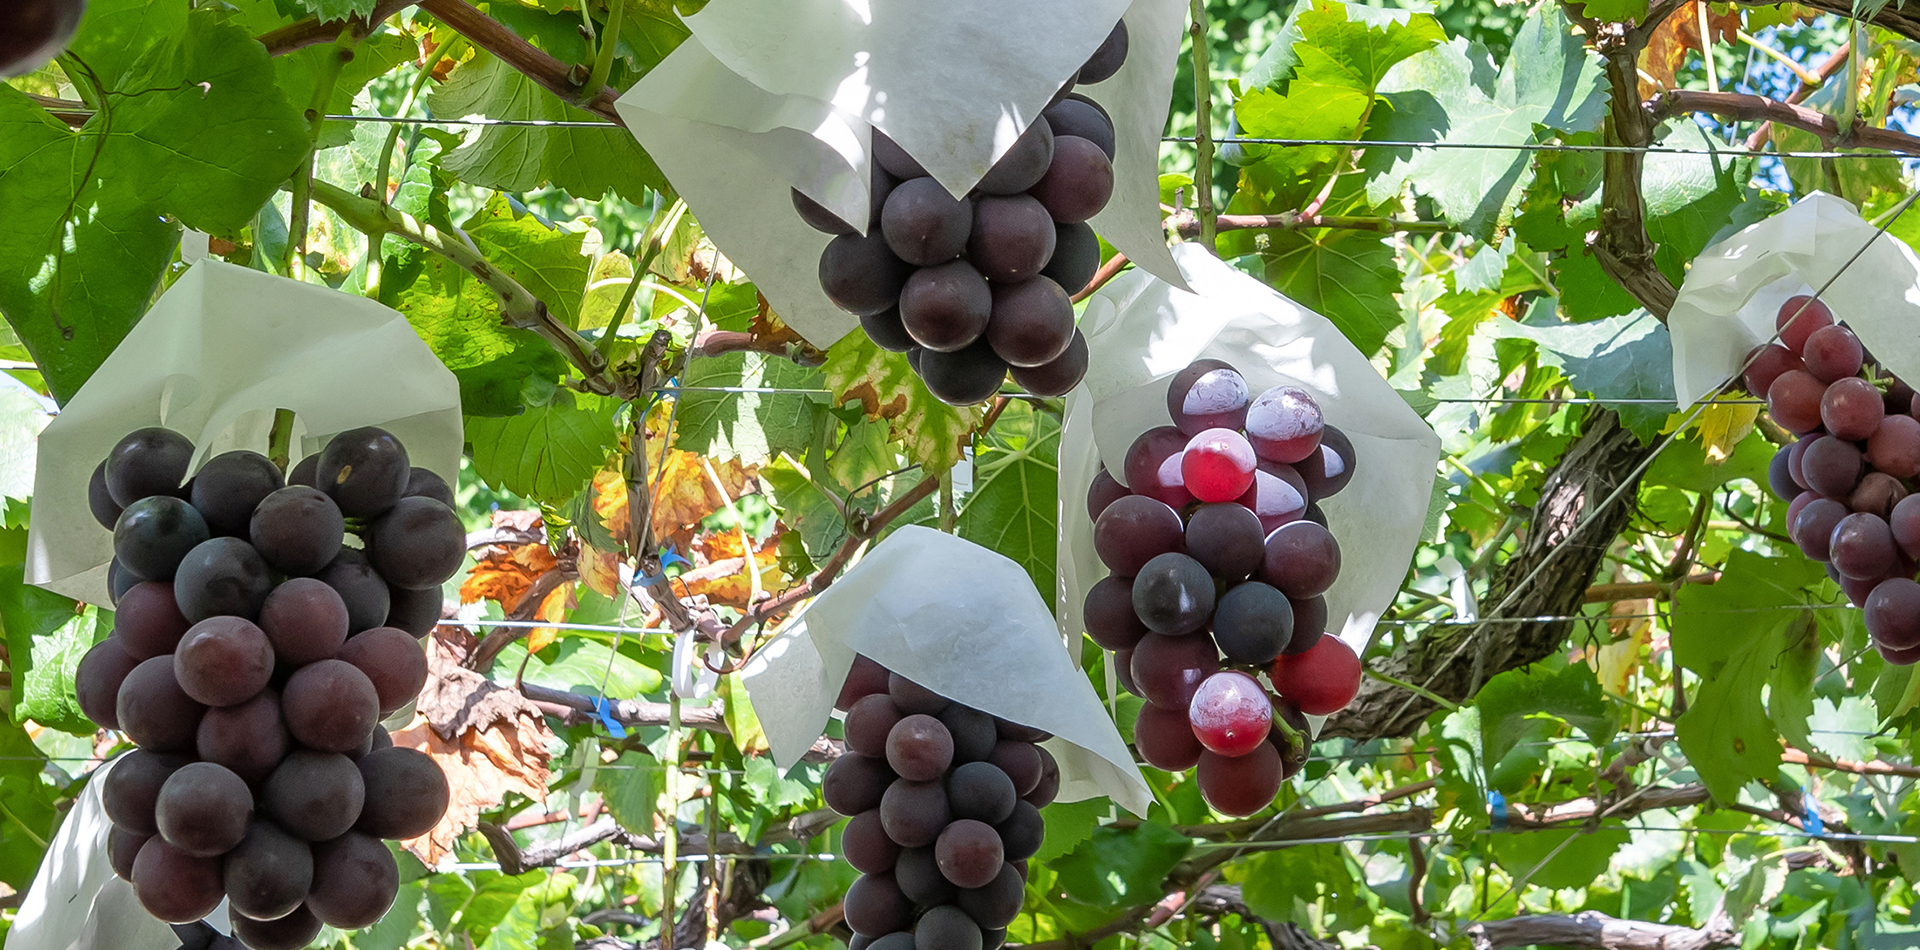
(1322, 680)
(1230, 713)
(1217, 465)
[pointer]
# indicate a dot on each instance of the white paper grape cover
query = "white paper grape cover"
(1733, 292)
(75, 901)
(1140, 331)
(222, 349)
(962, 621)
(768, 95)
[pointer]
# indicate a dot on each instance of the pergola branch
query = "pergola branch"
(1737, 105)
(1188, 225)
(314, 31)
(1592, 929)
(531, 61)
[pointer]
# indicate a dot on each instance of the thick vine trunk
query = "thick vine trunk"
(1546, 577)
(1600, 932)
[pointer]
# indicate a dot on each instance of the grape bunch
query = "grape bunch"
(1846, 477)
(252, 658)
(1220, 557)
(972, 288)
(944, 802)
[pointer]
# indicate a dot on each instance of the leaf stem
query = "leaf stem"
(381, 176)
(656, 241)
(1202, 127)
(316, 120)
(603, 63)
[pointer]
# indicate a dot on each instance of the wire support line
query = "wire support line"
(1567, 618)
(1590, 401)
(552, 625)
(474, 121)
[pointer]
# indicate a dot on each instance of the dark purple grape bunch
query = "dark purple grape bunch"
(1846, 479)
(944, 806)
(1220, 560)
(975, 287)
(252, 658)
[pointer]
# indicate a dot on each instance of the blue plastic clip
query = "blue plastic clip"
(1497, 805)
(1812, 823)
(670, 557)
(604, 710)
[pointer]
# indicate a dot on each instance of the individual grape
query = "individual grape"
(1230, 713)
(1894, 448)
(816, 216)
(914, 812)
(230, 486)
(97, 680)
(1108, 59)
(131, 789)
(415, 611)
(1164, 738)
(1169, 669)
(203, 809)
(1013, 237)
(875, 907)
(1328, 470)
(123, 847)
(1077, 115)
(1812, 528)
(154, 534)
(1134, 530)
(222, 577)
(1309, 624)
(1302, 559)
(1798, 318)
(1021, 166)
(864, 679)
(315, 796)
(1275, 498)
(292, 932)
(365, 471)
(355, 879)
(1284, 424)
(1877, 494)
(861, 275)
(893, 941)
(997, 904)
(1019, 761)
(1905, 522)
(1857, 591)
(1031, 323)
(249, 739)
(119, 581)
(425, 483)
(154, 711)
(147, 622)
(973, 732)
(969, 853)
(1078, 183)
(1022, 832)
(1796, 455)
(360, 587)
(406, 793)
(1863, 547)
(1780, 475)
(918, 874)
(1173, 594)
(1048, 788)
(946, 308)
(915, 699)
(174, 886)
(1239, 786)
(1208, 394)
(996, 938)
(1076, 257)
(330, 705)
(1226, 539)
(1322, 680)
(305, 620)
(1833, 353)
(1253, 623)
(855, 783)
(379, 739)
(924, 224)
(964, 377)
(307, 472)
(1794, 401)
(223, 661)
(392, 660)
(100, 501)
(1059, 377)
(1852, 409)
(1765, 363)
(147, 462)
(1122, 662)
(866, 846)
(298, 529)
(869, 723)
(895, 159)
(1017, 732)
(886, 330)
(1893, 613)
(980, 791)
(1153, 466)
(919, 748)
(1104, 491)
(417, 544)
(1218, 465)
(1832, 466)
(947, 928)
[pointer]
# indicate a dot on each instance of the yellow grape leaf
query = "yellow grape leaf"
(1667, 48)
(553, 609)
(726, 577)
(1615, 662)
(686, 495)
(610, 502)
(1723, 426)
(505, 574)
(599, 570)
(929, 431)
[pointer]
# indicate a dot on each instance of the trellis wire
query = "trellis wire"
(1477, 400)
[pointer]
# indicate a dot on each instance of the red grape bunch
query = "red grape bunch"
(944, 805)
(1220, 559)
(1846, 478)
(973, 287)
(252, 658)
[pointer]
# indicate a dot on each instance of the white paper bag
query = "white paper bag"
(1140, 331)
(769, 95)
(1732, 295)
(962, 621)
(222, 349)
(75, 901)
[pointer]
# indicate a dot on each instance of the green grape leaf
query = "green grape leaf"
(338, 9)
(1016, 486)
(49, 697)
(1629, 357)
(195, 132)
(27, 815)
(1348, 276)
(1615, 11)
(1122, 867)
(375, 56)
(1509, 701)
(542, 905)
(396, 927)
(1572, 858)
(805, 507)
(33, 619)
(546, 260)
(631, 789)
(750, 426)
(589, 163)
(1282, 885)
(548, 452)
(1840, 729)
(1790, 690)
(929, 431)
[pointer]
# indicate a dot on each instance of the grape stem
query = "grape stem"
(280, 439)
